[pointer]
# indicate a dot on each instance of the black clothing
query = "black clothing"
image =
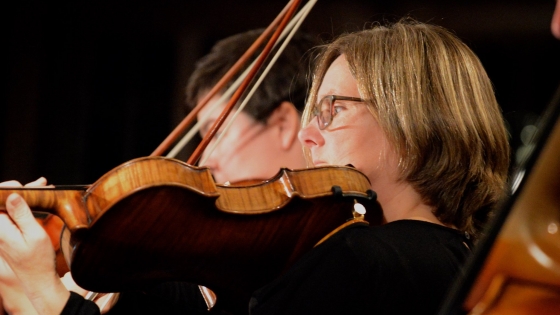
(76, 304)
(403, 267)
(166, 298)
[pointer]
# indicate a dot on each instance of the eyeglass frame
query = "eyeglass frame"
(316, 112)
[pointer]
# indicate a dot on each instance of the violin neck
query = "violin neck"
(49, 200)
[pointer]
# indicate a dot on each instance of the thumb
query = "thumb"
(19, 211)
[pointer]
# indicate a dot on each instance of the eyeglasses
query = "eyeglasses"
(324, 109)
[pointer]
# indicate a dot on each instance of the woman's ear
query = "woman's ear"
(286, 119)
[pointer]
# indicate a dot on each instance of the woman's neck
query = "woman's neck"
(403, 202)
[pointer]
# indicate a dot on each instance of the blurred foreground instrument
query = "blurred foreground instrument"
(515, 268)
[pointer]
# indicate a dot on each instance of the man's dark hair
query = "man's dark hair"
(286, 81)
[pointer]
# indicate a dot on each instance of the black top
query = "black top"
(166, 298)
(403, 267)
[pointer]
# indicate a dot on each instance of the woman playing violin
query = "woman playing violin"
(411, 107)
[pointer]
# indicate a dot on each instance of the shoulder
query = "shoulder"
(400, 242)
(362, 269)
(400, 232)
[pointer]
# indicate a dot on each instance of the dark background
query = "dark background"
(90, 85)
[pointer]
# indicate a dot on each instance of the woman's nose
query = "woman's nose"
(310, 135)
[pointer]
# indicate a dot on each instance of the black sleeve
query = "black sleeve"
(168, 298)
(77, 305)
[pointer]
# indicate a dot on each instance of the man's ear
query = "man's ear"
(286, 119)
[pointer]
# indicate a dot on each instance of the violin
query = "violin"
(155, 219)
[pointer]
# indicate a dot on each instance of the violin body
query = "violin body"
(156, 219)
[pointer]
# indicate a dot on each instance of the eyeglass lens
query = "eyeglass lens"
(325, 114)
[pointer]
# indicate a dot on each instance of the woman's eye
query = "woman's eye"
(337, 109)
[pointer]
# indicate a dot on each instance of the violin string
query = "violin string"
(298, 20)
(292, 27)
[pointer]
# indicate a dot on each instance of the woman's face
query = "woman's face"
(354, 136)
